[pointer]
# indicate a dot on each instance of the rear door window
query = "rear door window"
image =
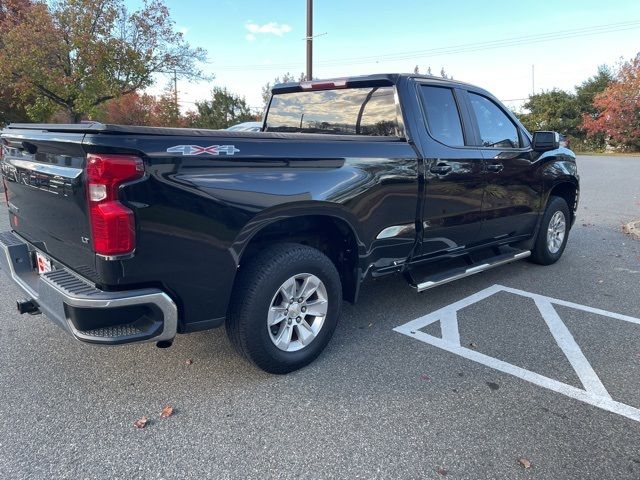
(443, 117)
(496, 128)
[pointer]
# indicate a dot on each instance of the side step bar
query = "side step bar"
(441, 278)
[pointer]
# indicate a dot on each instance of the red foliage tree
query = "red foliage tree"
(143, 109)
(619, 108)
(131, 109)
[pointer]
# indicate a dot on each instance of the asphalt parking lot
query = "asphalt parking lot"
(379, 403)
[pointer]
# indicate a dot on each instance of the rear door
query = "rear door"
(512, 193)
(454, 172)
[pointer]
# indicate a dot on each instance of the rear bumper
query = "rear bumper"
(88, 313)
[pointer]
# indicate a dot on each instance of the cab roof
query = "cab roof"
(378, 79)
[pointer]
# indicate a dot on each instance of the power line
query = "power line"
(526, 39)
(460, 48)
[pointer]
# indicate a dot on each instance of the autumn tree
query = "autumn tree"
(76, 55)
(143, 109)
(618, 117)
(221, 111)
(11, 109)
(166, 113)
(130, 109)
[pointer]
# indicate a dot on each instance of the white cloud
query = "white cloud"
(250, 36)
(271, 28)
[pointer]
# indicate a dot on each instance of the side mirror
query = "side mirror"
(544, 141)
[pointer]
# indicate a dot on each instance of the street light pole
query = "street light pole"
(309, 39)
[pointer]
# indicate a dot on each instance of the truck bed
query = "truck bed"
(107, 128)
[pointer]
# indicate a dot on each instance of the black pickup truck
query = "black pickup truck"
(127, 234)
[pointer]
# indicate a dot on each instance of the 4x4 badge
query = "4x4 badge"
(199, 150)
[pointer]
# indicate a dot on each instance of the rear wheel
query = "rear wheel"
(553, 234)
(285, 307)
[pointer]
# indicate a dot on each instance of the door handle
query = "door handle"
(441, 169)
(495, 167)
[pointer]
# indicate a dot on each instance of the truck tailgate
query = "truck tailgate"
(44, 181)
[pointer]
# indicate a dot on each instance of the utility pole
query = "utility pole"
(175, 88)
(533, 80)
(309, 40)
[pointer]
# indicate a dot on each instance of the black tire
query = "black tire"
(254, 290)
(541, 253)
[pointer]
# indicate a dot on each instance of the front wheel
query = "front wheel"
(285, 307)
(553, 234)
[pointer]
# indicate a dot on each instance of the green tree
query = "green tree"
(10, 110)
(286, 78)
(555, 110)
(221, 111)
(587, 90)
(443, 74)
(75, 55)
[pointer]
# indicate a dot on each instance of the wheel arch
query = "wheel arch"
(568, 190)
(330, 231)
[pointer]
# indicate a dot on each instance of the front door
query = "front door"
(512, 193)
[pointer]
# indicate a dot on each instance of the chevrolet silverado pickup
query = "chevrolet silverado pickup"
(124, 234)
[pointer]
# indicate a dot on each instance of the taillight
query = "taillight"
(112, 224)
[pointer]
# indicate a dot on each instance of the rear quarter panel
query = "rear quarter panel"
(196, 214)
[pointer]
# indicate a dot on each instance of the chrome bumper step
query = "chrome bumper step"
(90, 314)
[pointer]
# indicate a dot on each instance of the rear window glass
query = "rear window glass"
(352, 111)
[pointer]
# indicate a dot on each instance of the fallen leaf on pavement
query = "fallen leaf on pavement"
(188, 362)
(524, 463)
(166, 412)
(442, 471)
(141, 422)
(473, 345)
(425, 377)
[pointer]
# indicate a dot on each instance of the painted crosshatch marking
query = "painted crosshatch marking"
(594, 392)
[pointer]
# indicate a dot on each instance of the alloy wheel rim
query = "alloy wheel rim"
(556, 232)
(297, 312)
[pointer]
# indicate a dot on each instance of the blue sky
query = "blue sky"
(250, 41)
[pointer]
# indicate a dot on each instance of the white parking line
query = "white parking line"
(594, 392)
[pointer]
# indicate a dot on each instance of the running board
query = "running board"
(441, 278)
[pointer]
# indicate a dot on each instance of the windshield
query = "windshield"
(353, 111)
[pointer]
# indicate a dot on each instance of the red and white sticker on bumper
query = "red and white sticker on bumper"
(43, 263)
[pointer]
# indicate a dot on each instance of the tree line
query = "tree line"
(604, 110)
(74, 60)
